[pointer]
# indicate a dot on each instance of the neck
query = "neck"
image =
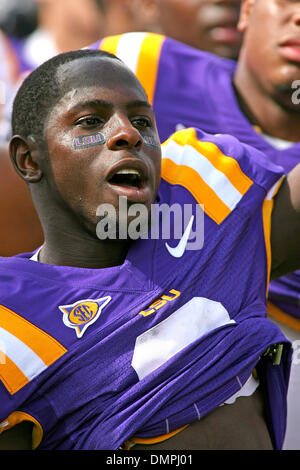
(67, 249)
(67, 242)
(272, 115)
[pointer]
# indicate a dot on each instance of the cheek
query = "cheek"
(258, 50)
(59, 149)
(157, 171)
(263, 32)
(69, 170)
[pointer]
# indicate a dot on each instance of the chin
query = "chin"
(288, 95)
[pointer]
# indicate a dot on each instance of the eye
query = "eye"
(89, 122)
(141, 121)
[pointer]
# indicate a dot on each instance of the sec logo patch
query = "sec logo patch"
(83, 313)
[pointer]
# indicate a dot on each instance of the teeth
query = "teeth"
(127, 171)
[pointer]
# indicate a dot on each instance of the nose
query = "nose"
(124, 135)
(296, 16)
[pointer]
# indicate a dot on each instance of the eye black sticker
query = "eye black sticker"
(150, 141)
(85, 141)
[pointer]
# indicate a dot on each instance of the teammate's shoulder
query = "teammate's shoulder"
(147, 43)
(149, 54)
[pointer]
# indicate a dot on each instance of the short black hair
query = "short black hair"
(41, 90)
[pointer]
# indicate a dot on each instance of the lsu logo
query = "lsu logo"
(83, 313)
(85, 141)
(159, 303)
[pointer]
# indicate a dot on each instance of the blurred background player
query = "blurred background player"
(18, 19)
(209, 25)
(61, 26)
(266, 86)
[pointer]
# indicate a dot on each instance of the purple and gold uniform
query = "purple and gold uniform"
(94, 357)
(191, 88)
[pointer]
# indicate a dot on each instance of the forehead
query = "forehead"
(108, 76)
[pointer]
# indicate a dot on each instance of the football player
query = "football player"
(113, 341)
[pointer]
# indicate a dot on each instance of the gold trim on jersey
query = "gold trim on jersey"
(25, 350)
(283, 317)
(267, 218)
(152, 440)
(141, 52)
(214, 179)
(18, 417)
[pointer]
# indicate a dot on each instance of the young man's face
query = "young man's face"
(105, 102)
(271, 46)
(209, 25)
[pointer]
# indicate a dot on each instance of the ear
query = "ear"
(23, 153)
(245, 12)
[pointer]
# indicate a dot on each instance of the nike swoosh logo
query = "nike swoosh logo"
(178, 250)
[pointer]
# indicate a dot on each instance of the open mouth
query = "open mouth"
(127, 178)
(290, 49)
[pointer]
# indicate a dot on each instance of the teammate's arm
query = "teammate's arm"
(17, 438)
(285, 227)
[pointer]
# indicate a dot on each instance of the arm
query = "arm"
(285, 227)
(17, 438)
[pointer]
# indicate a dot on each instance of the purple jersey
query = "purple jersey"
(191, 88)
(96, 356)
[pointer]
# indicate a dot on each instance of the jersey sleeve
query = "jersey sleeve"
(218, 170)
(26, 351)
(177, 78)
(223, 175)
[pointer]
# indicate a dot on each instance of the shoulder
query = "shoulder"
(221, 152)
(218, 170)
(28, 343)
(128, 46)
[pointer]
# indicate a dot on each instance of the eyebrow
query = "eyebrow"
(91, 104)
(139, 104)
(106, 104)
